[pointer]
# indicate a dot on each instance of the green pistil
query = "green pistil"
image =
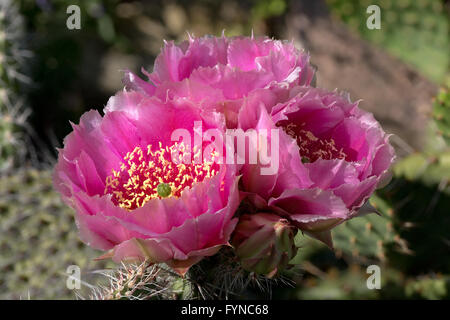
(163, 190)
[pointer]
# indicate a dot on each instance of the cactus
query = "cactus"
(351, 283)
(142, 281)
(12, 112)
(223, 277)
(428, 287)
(432, 166)
(12, 141)
(37, 240)
(337, 284)
(218, 277)
(366, 237)
(430, 169)
(421, 190)
(441, 113)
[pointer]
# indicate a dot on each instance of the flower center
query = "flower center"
(311, 147)
(151, 173)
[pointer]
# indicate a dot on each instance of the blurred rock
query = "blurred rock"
(175, 18)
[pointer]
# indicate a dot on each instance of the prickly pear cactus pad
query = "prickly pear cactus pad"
(441, 113)
(37, 240)
(367, 236)
(13, 113)
(432, 165)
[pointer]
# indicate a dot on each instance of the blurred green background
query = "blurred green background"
(50, 75)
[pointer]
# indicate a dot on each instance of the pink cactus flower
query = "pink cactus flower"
(332, 156)
(220, 73)
(130, 198)
(135, 202)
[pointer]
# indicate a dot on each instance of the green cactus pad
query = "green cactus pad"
(441, 113)
(366, 236)
(38, 240)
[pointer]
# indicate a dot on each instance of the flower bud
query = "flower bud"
(264, 243)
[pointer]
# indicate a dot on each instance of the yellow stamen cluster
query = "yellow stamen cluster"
(141, 172)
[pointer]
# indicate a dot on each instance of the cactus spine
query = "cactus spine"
(13, 114)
